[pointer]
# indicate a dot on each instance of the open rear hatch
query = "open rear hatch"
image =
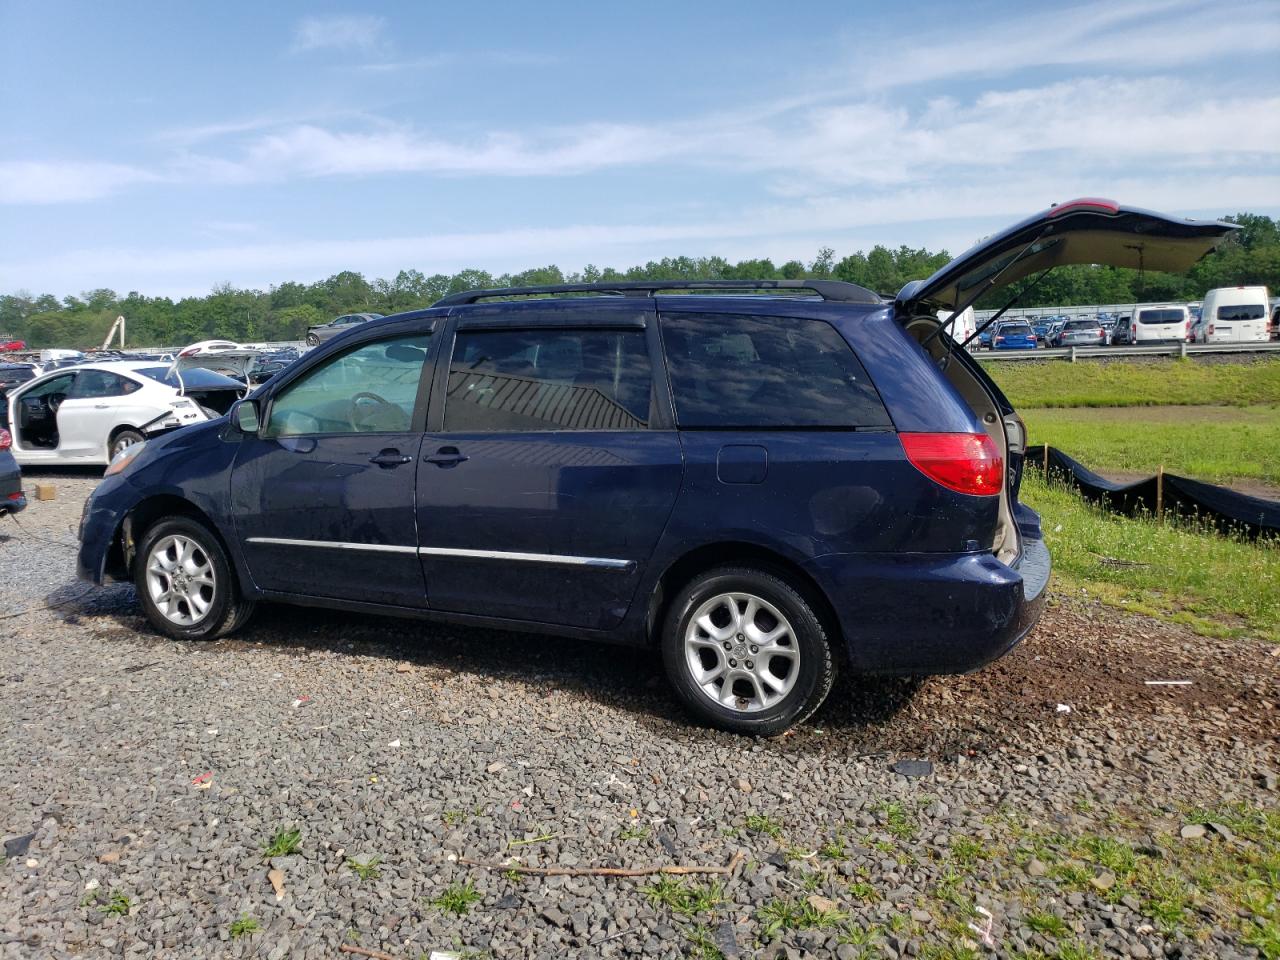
(1081, 231)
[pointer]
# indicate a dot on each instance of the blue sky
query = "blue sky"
(170, 147)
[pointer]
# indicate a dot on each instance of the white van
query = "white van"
(1234, 315)
(1160, 323)
(963, 328)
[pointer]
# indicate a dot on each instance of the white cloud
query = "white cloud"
(931, 215)
(338, 33)
(41, 182)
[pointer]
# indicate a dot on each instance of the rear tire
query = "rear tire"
(186, 585)
(125, 438)
(754, 630)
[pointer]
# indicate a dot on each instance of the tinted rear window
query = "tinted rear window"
(1161, 316)
(1014, 330)
(197, 378)
(1081, 325)
(1241, 311)
(770, 372)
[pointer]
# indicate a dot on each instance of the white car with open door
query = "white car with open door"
(89, 413)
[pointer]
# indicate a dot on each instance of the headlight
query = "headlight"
(125, 457)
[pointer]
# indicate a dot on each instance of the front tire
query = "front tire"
(185, 582)
(746, 652)
(313, 340)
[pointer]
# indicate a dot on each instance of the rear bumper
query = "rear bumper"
(931, 613)
(11, 498)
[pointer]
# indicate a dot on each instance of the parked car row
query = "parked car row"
(1226, 315)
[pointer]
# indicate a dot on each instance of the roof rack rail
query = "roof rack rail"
(836, 290)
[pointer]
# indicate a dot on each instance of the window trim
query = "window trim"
(416, 417)
(660, 398)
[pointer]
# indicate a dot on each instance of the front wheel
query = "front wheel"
(185, 582)
(313, 340)
(745, 651)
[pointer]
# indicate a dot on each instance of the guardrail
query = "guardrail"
(1072, 354)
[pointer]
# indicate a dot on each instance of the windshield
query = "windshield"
(195, 378)
(1015, 330)
(1241, 311)
(1161, 316)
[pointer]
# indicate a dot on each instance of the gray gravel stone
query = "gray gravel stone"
(551, 744)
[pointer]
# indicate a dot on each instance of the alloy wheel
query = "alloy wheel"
(180, 579)
(741, 652)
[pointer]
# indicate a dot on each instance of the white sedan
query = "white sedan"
(90, 412)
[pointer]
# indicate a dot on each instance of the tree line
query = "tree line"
(1250, 256)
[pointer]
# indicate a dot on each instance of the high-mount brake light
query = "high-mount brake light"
(1091, 204)
(964, 462)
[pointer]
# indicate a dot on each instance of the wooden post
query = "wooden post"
(1160, 493)
(1045, 466)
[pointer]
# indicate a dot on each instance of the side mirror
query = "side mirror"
(244, 416)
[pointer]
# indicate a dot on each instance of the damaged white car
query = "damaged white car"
(88, 413)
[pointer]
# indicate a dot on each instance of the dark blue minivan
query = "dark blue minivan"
(765, 481)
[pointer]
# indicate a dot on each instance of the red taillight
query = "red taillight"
(964, 462)
(15, 497)
(1094, 204)
(1211, 329)
(6, 439)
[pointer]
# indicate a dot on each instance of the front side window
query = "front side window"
(770, 372)
(370, 389)
(548, 379)
(58, 386)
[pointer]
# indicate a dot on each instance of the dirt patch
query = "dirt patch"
(1092, 659)
(1171, 414)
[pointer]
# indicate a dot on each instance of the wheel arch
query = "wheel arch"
(680, 571)
(146, 514)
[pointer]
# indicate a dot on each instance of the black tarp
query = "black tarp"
(1227, 510)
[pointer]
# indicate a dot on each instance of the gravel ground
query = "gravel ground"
(154, 773)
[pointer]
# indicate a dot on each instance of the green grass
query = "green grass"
(116, 905)
(759, 823)
(243, 926)
(684, 897)
(1050, 924)
(365, 869)
(1215, 585)
(283, 843)
(1210, 444)
(1117, 384)
(795, 915)
(702, 946)
(457, 898)
(897, 820)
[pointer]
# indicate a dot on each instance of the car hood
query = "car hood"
(1081, 231)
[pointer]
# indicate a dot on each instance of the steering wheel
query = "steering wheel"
(353, 412)
(54, 400)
